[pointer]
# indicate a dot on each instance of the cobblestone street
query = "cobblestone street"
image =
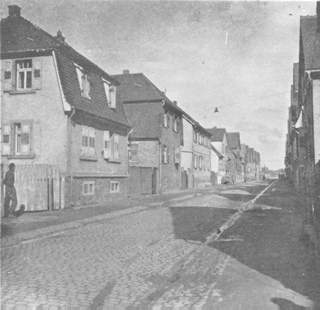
(159, 258)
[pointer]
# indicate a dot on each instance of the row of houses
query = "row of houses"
(302, 160)
(79, 135)
(236, 162)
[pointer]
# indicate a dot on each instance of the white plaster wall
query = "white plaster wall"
(44, 108)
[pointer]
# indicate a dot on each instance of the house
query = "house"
(219, 144)
(59, 113)
(156, 137)
(244, 160)
(309, 98)
(195, 154)
(251, 168)
(308, 120)
(233, 151)
(295, 152)
(216, 158)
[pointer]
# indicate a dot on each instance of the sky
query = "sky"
(236, 56)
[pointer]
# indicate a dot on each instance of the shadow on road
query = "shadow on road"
(273, 245)
(196, 223)
(285, 304)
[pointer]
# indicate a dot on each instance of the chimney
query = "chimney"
(126, 71)
(60, 37)
(14, 10)
(318, 16)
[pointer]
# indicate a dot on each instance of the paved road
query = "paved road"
(206, 252)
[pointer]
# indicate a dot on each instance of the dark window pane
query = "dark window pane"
(21, 79)
(5, 138)
(25, 138)
(29, 79)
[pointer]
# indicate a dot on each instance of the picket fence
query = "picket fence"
(39, 187)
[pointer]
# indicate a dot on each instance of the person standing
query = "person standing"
(10, 198)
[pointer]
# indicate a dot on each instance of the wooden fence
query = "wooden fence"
(39, 187)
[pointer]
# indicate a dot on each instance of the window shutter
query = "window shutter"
(113, 96)
(92, 140)
(6, 140)
(36, 82)
(116, 147)
(8, 75)
(106, 144)
(25, 138)
(84, 142)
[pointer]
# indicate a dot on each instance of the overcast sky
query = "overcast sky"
(236, 56)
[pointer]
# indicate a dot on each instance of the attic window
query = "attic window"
(110, 91)
(84, 82)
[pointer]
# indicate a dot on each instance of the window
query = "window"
(106, 144)
(16, 139)
(166, 120)
(133, 151)
(165, 154)
(22, 75)
(111, 147)
(84, 82)
(114, 187)
(88, 141)
(115, 147)
(175, 124)
(110, 91)
(177, 155)
(88, 188)
(194, 137)
(200, 162)
(195, 161)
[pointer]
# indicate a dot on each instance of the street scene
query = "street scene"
(228, 248)
(160, 155)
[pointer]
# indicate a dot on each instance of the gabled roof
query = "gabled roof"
(144, 118)
(139, 96)
(20, 37)
(217, 134)
(310, 42)
(136, 87)
(233, 140)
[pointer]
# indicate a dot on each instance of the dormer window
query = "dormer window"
(84, 82)
(110, 91)
(175, 124)
(166, 120)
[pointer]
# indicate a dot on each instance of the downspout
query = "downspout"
(67, 109)
(69, 155)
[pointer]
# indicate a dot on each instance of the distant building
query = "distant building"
(195, 154)
(219, 152)
(59, 113)
(234, 153)
(156, 137)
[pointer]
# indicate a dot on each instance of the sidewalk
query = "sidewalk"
(38, 224)
(33, 225)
